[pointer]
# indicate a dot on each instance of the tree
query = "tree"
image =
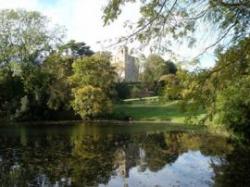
(11, 92)
(166, 19)
(33, 104)
(223, 90)
(95, 71)
(171, 87)
(59, 66)
(25, 39)
(233, 107)
(171, 67)
(76, 49)
(155, 67)
(25, 36)
(93, 81)
(90, 102)
(232, 103)
(59, 69)
(122, 90)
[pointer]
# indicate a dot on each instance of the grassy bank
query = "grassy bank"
(151, 109)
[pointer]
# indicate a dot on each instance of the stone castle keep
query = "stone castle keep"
(127, 68)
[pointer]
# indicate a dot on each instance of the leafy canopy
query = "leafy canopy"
(155, 67)
(25, 36)
(166, 19)
(93, 81)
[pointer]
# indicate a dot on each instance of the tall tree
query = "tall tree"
(155, 67)
(24, 37)
(76, 49)
(59, 69)
(223, 91)
(93, 81)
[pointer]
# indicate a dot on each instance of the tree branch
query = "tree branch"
(234, 5)
(217, 41)
(148, 24)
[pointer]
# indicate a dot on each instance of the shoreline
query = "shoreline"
(123, 122)
(212, 129)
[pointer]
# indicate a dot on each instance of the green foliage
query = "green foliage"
(35, 67)
(59, 69)
(113, 10)
(24, 35)
(33, 102)
(171, 87)
(165, 19)
(11, 91)
(24, 95)
(126, 90)
(135, 92)
(224, 90)
(122, 90)
(233, 97)
(155, 67)
(233, 105)
(93, 81)
(220, 90)
(96, 71)
(76, 49)
(90, 102)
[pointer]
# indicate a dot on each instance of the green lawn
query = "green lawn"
(153, 110)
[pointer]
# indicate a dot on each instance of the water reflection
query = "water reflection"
(85, 155)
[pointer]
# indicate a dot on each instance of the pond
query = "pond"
(119, 156)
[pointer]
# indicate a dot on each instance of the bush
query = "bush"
(234, 107)
(122, 116)
(135, 92)
(122, 90)
(171, 87)
(90, 102)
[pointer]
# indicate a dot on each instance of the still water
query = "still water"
(119, 156)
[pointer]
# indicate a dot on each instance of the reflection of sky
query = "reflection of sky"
(190, 169)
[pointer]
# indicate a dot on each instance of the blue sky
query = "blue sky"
(48, 2)
(82, 20)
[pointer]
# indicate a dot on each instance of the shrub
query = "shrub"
(90, 102)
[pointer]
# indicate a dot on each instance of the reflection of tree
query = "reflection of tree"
(207, 144)
(27, 164)
(92, 161)
(234, 169)
(157, 152)
(164, 148)
(90, 155)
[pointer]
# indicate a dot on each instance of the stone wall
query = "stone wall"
(128, 71)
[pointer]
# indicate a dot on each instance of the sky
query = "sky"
(82, 20)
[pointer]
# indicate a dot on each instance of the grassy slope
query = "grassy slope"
(153, 110)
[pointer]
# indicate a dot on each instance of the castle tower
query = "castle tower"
(128, 63)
